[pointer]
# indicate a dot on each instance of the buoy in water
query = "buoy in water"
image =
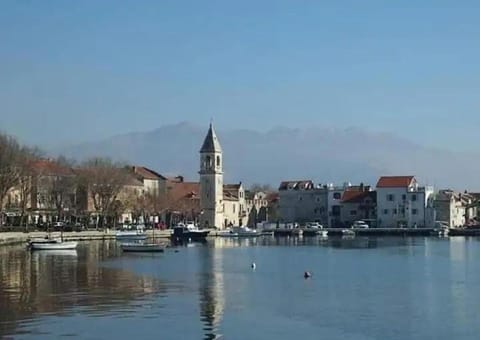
(307, 275)
(254, 265)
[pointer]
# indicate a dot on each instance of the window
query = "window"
(336, 210)
(414, 197)
(390, 197)
(233, 207)
(337, 195)
(404, 197)
(218, 161)
(208, 162)
(300, 198)
(394, 211)
(414, 211)
(385, 211)
(353, 212)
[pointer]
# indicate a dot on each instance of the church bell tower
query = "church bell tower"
(211, 181)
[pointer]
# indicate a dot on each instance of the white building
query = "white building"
(211, 182)
(401, 202)
(454, 208)
(234, 205)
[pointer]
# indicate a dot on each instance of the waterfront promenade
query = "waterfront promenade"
(7, 238)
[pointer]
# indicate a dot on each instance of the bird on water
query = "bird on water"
(307, 275)
(253, 265)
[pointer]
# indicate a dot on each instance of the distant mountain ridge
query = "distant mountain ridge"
(324, 155)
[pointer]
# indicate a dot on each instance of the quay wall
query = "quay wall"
(8, 238)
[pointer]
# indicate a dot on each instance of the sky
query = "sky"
(73, 71)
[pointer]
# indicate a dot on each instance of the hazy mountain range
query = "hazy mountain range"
(324, 155)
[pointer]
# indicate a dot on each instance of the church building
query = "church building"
(221, 205)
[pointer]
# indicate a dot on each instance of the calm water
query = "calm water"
(365, 288)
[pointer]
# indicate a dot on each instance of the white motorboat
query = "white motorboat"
(131, 235)
(51, 244)
(142, 247)
(322, 233)
(239, 232)
(348, 232)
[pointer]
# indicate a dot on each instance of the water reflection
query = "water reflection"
(57, 282)
(334, 242)
(212, 299)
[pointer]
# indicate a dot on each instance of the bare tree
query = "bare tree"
(25, 164)
(61, 188)
(10, 151)
(103, 180)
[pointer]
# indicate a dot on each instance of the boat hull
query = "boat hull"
(142, 248)
(53, 245)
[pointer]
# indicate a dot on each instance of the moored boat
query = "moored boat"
(239, 232)
(131, 235)
(348, 232)
(142, 247)
(51, 244)
(187, 232)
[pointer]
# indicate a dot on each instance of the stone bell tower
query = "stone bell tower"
(211, 181)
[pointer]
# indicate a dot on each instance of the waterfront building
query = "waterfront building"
(454, 208)
(301, 202)
(234, 205)
(46, 194)
(257, 207)
(332, 206)
(211, 181)
(152, 181)
(358, 203)
(401, 202)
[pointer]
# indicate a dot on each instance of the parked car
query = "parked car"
(360, 225)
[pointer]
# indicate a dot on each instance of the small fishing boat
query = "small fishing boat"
(323, 233)
(135, 247)
(239, 232)
(143, 247)
(348, 232)
(130, 235)
(51, 244)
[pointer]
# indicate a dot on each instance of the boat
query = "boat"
(348, 232)
(188, 232)
(130, 235)
(239, 232)
(322, 233)
(49, 243)
(142, 247)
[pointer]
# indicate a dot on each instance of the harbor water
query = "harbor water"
(360, 288)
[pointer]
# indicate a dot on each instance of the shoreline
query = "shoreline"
(18, 237)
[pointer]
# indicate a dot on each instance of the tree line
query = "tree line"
(68, 187)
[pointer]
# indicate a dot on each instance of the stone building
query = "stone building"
(454, 209)
(211, 182)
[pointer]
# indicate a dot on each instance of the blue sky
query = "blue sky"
(77, 70)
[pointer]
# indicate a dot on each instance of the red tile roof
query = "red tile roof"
(147, 173)
(358, 196)
(47, 167)
(395, 181)
(182, 190)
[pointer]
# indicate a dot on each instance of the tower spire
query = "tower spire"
(211, 142)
